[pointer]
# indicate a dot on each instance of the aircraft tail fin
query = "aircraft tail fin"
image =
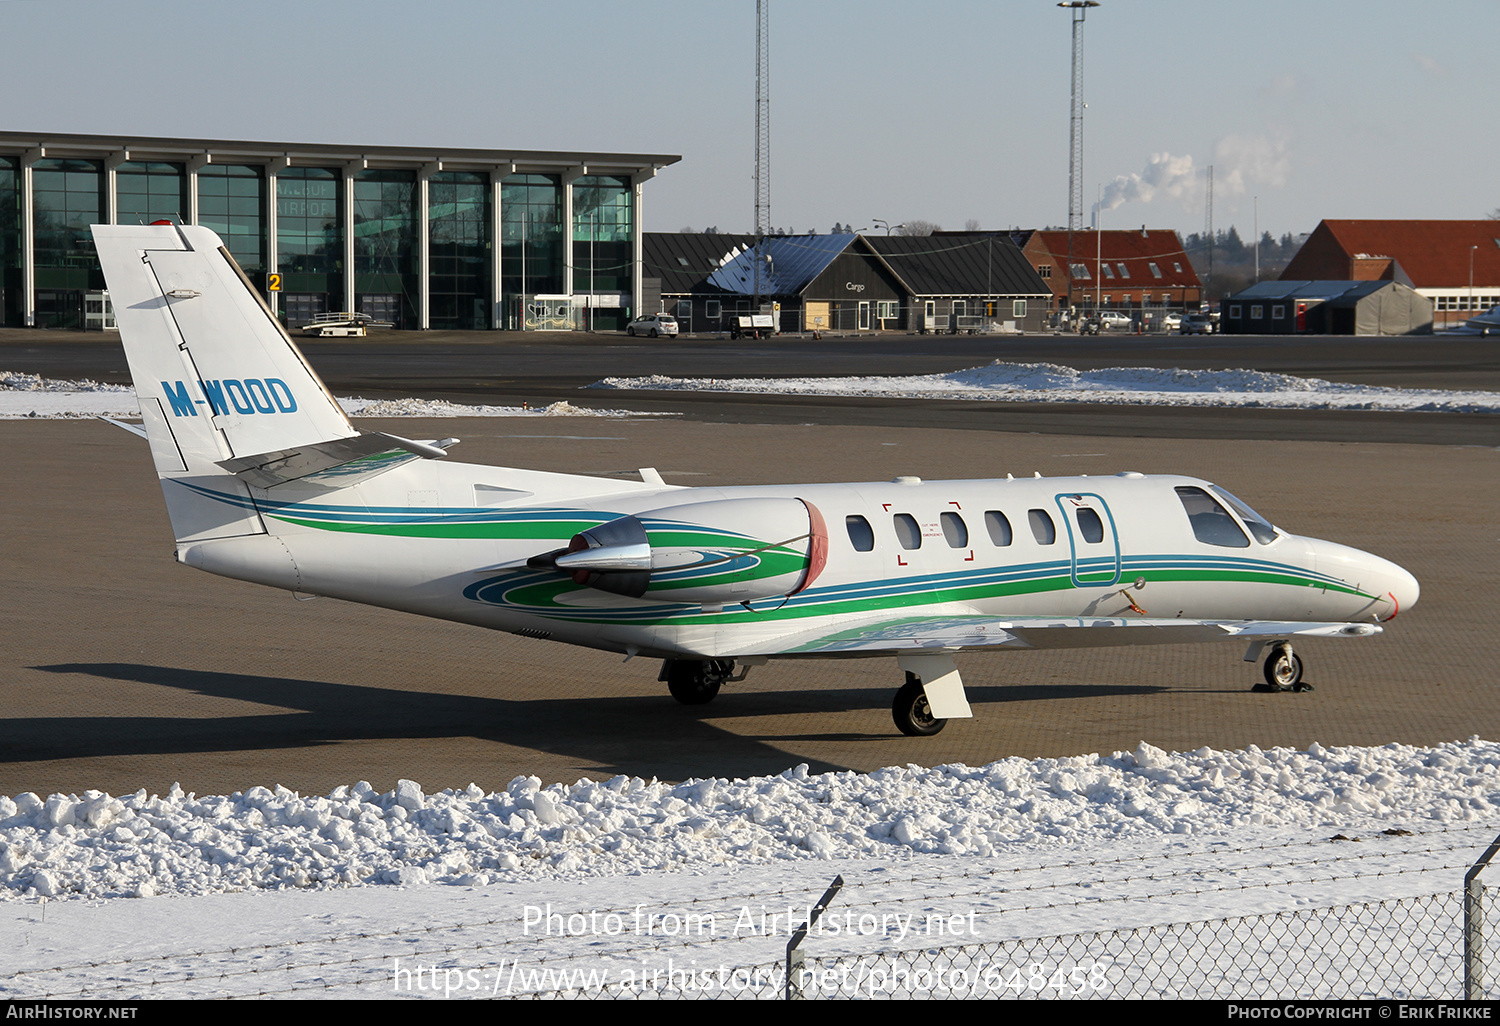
(228, 400)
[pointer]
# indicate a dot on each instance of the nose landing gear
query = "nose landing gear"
(1282, 670)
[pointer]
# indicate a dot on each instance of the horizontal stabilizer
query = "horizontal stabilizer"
(337, 462)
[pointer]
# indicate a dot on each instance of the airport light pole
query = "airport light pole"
(877, 222)
(1079, 9)
(1471, 278)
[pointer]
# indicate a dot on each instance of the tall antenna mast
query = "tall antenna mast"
(762, 134)
(1079, 9)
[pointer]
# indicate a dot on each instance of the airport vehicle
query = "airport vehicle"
(266, 480)
(751, 325)
(652, 325)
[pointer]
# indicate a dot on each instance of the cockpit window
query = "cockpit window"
(1212, 525)
(1259, 526)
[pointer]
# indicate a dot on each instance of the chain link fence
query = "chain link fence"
(1427, 946)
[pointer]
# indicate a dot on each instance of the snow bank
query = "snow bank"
(98, 845)
(1146, 386)
(28, 396)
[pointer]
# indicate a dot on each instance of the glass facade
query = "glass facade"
(459, 250)
(232, 202)
(11, 280)
(309, 243)
(531, 243)
(385, 245)
(601, 245)
(68, 196)
(147, 191)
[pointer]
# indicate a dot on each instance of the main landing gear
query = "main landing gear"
(911, 711)
(696, 681)
(1282, 670)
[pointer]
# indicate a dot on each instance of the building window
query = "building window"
(1018, 308)
(1176, 267)
(1081, 272)
(1108, 271)
(149, 191)
(1257, 311)
(1044, 270)
(1155, 271)
(713, 309)
(1278, 312)
(1124, 271)
(231, 201)
(459, 250)
(887, 309)
(1234, 310)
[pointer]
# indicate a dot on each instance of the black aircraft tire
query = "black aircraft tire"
(1283, 670)
(693, 683)
(911, 712)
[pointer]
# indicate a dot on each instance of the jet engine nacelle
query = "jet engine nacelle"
(726, 551)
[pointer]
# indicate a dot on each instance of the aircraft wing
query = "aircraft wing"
(895, 635)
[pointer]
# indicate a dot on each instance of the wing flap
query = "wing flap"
(895, 635)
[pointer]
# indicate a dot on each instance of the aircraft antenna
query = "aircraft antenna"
(762, 135)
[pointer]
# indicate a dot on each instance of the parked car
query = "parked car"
(652, 325)
(1114, 320)
(1197, 324)
(1172, 321)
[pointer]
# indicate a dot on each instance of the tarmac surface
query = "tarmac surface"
(121, 669)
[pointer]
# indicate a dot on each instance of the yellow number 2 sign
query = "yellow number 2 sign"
(273, 282)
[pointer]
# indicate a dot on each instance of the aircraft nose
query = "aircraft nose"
(1395, 588)
(1402, 588)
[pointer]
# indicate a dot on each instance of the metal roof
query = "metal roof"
(685, 260)
(953, 265)
(1315, 290)
(59, 144)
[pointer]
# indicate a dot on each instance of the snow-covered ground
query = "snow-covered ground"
(468, 893)
(267, 891)
(27, 396)
(1148, 386)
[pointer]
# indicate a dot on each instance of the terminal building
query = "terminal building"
(419, 237)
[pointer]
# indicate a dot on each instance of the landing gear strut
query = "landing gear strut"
(1282, 670)
(695, 681)
(911, 712)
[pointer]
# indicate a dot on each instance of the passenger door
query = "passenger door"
(1092, 539)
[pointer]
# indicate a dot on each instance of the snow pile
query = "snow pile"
(1137, 386)
(28, 396)
(33, 396)
(443, 408)
(96, 845)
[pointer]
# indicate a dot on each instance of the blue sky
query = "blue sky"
(946, 110)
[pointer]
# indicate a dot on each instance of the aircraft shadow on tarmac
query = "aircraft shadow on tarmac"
(637, 735)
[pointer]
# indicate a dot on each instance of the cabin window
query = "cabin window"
(713, 309)
(861, 534)
(1212, 524)
(1042, 527)
(907, 531)
(1089, 525)
(955, 530)
(999, 527)
(1260, 527)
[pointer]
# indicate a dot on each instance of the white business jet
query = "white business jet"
(266, 480)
